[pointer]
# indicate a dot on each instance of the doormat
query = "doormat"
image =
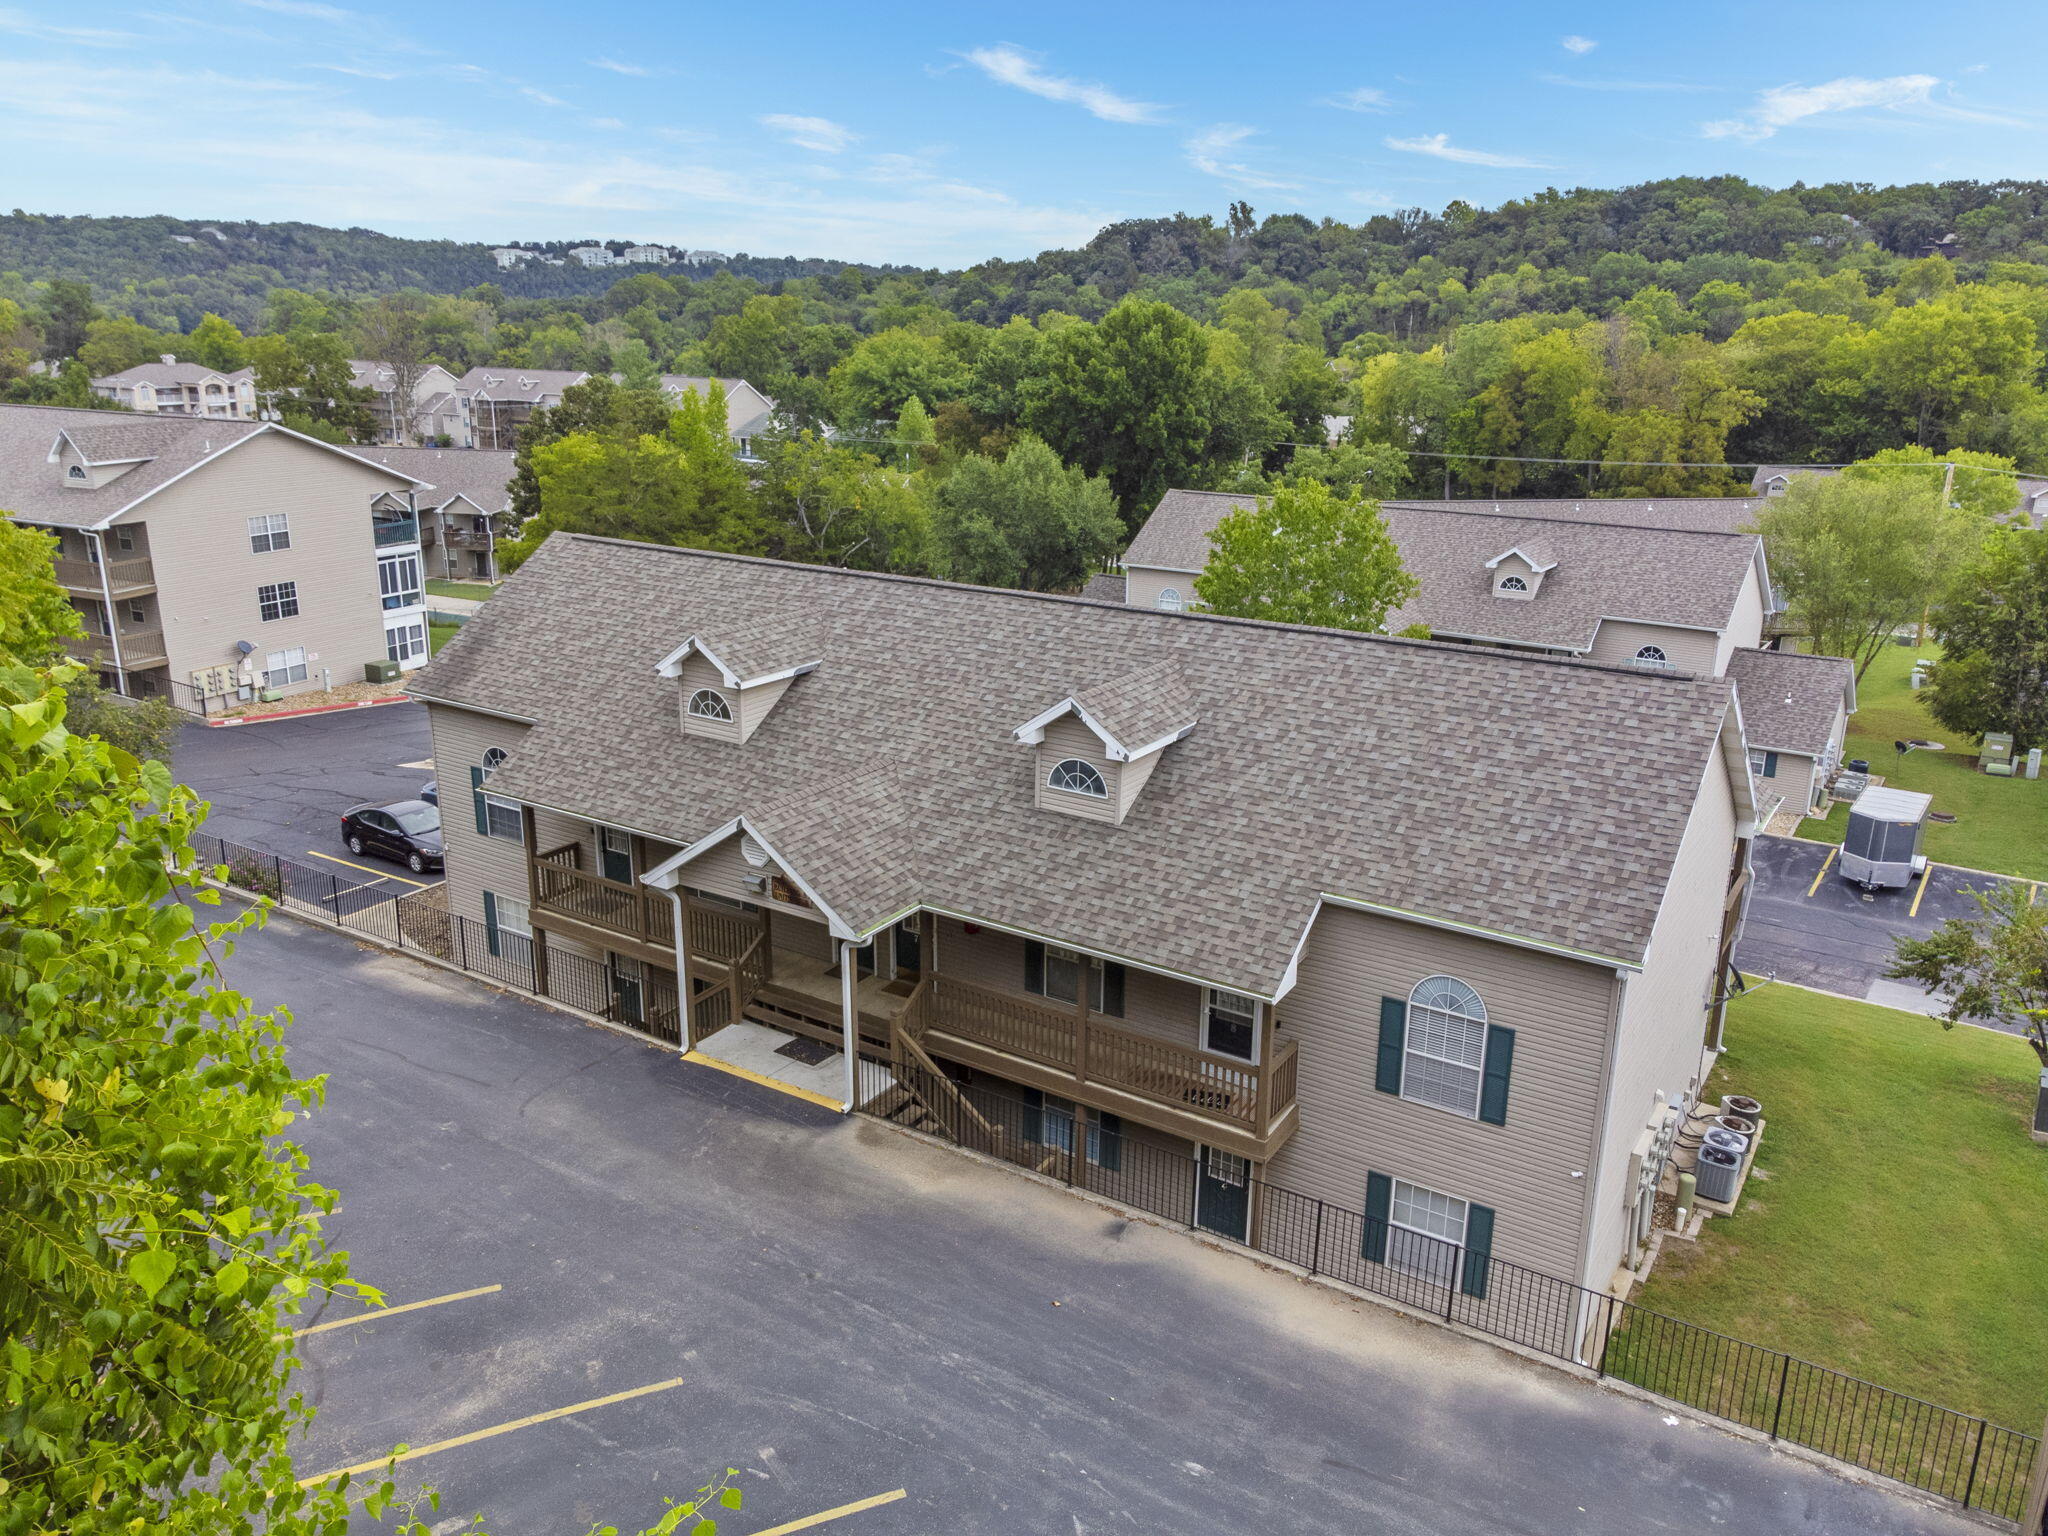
(806, 1050)
(899, 987)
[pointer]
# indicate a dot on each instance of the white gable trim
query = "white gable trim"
(667, 875)
(1529, 560)
(262, 428)
(63, 437)
(671, 665)
(1032, 732)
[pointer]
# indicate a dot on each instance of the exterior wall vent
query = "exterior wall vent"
(752, 851)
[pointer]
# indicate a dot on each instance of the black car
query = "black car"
(406, 830)
(431, 791)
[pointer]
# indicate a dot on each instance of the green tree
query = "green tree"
(1308, 556)
(65, 315)
(597, 406)
(1860, 558)
(307, 379)
(1353, 469)
(215, 343)
(636, 366)
(888, 368)
(1991, 968)
(1993, 626)
(913, 440)
(1983, 483)
(143, 728)
(394, 331)
(1024, 521)
(118, 343)
(835, 506)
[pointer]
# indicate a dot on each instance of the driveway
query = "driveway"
(280, 787)
(1808, 925)
(705, 1274)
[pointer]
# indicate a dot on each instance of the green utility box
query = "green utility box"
(380, 671)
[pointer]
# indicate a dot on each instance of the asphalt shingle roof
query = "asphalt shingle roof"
(1104, 587)
(1661, 575)
(1789, 699)
(484, 475)
(173, 373)
(517, 385)
(1142, 706)
(1525, 795)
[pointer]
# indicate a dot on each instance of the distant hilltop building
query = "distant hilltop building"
(706, 258)
(511, 255)
(593, 256)
(508, 256)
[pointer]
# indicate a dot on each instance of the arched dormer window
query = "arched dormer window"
(493, 759)
(78, 471)
(1077, 778)
(1444, 1045)
(709, 704)
(1513, 584)
(1652, 656)
(1170, 599)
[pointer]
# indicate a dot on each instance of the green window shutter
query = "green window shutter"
(1109, 1141)
(1379, 1202)
(1478, 1251)
(476, 794)
(1032, 1122)
(1770, 765)
(491, 920)
(1034, 967)
(1493, 1081)
(1393, 1034)
(1112, 989)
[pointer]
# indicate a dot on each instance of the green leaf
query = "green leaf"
(730, 1498)
(151, 1268)
(229, 1279)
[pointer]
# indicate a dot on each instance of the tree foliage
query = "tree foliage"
(1026, 520)
(1993, 967)
(1310, 555)
(1993, 627)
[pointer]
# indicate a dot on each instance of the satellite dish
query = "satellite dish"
(245, 646)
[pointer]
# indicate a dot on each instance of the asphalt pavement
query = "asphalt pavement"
(1807, 924)
(636, 1272)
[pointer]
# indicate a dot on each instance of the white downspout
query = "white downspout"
(849, 1026)
(99, 545)
(675, 897)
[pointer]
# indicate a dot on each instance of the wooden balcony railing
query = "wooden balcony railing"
(720, 935)
(1083, 1046)
(632, 911)
(122, 575)
(140, 649)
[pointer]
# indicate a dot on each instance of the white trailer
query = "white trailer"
(1881, 848)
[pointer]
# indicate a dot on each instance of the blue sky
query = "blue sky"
(945, 134)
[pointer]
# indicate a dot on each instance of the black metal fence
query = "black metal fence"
(1977, 1464)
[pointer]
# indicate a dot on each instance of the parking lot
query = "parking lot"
(279, 787)
(623, 1273)
(1807, 924)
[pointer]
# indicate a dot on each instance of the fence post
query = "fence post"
(334, 896)
(1778, 1413)
(1315, 1252)
(277, 864)
(1451, 1285)
(1606, 1334)
(1976, 1454)
(461, 940)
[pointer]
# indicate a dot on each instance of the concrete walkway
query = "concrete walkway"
(692, 1272)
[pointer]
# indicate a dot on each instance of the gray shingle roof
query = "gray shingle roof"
(2032, 488)
(1142, 706)
(174, 373)
(1699, 514)
(1657, 575)
(1524, 795)
(484, 475)
(530, 386)
(1789, 699)
(745, 416)
(1105, 587)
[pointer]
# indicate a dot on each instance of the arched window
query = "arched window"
(493, 758)
(709, 704)
(1445, 1045)
(1077, 778)
(1513, 584)
(1652, 656)
(1169, 599)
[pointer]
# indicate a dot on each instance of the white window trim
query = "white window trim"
(305, 673)
(512, 808)
(723, 715)
(1409, 1048)
(1162, 602)
(1258, 1017)
(1448, 1248)
(505, 906)
(1053, 773)
(287, 592)
(1661, 660)
(270, 526)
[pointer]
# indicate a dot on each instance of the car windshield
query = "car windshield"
(418, 819)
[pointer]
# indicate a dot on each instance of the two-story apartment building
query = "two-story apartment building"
(501, 400)
(2031, 508)
(171, 388)
(465, 506)
(216, 559)
(1672, 585)
(439, 412)
(1431, 931)
(748, 412)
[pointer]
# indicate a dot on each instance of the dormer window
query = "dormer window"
(1653, 657)
(1076, 777)
(729, 685)
(77, 472)
(1513, 584)
(1170, 599)
(709, 704)
(1518, 571)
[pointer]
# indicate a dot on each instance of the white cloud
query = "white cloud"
(1577, 44)
(618, 68)
(1207, 149)
(1011, 65)
(1784, 105)
(21, 24)
(357, 70)
(1440, 146)
(534, 93)
(819, 133)
(1364, 99)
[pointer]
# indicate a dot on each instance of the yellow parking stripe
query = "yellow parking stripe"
(410, 1306)
(1926, 877)
(1824, 863)
(763, 1080)
(330, 858)
(832, 1514)
(413, 1453)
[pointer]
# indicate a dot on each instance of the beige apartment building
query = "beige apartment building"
(171, 388)
(502, 400)
(214, 560)
(437, 413)
(1431, 932)
(1670, 585)
(465, 512)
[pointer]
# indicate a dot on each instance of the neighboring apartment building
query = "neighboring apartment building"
(1670, 586)
(1773, 479)
(465, 507)
(171, 388)
(440, 412)
(215, 559)
(501, 400)
(1795, 712)
(1432, 931)
(748, 412)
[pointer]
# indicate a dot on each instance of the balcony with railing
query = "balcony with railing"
(605, 909)
(122, 577)
(140, 649)
(401, 528)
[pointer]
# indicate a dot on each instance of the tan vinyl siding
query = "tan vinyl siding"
(1662, 1039)
(1142, 586)
(698, 673)
(1745, 627)
(1130, 783)
(1559, 1010)
(723, 871)
(1161, 1006)
(207, 575)
(475, 863)
(755, 702)
(1689, 650)
(1794, 780)
(1067, 737)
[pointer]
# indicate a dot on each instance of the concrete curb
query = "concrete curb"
(299, 714)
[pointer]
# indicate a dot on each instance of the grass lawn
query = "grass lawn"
(439, 635)
(2001, 824)
(1902, 1232)
(478, 590)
